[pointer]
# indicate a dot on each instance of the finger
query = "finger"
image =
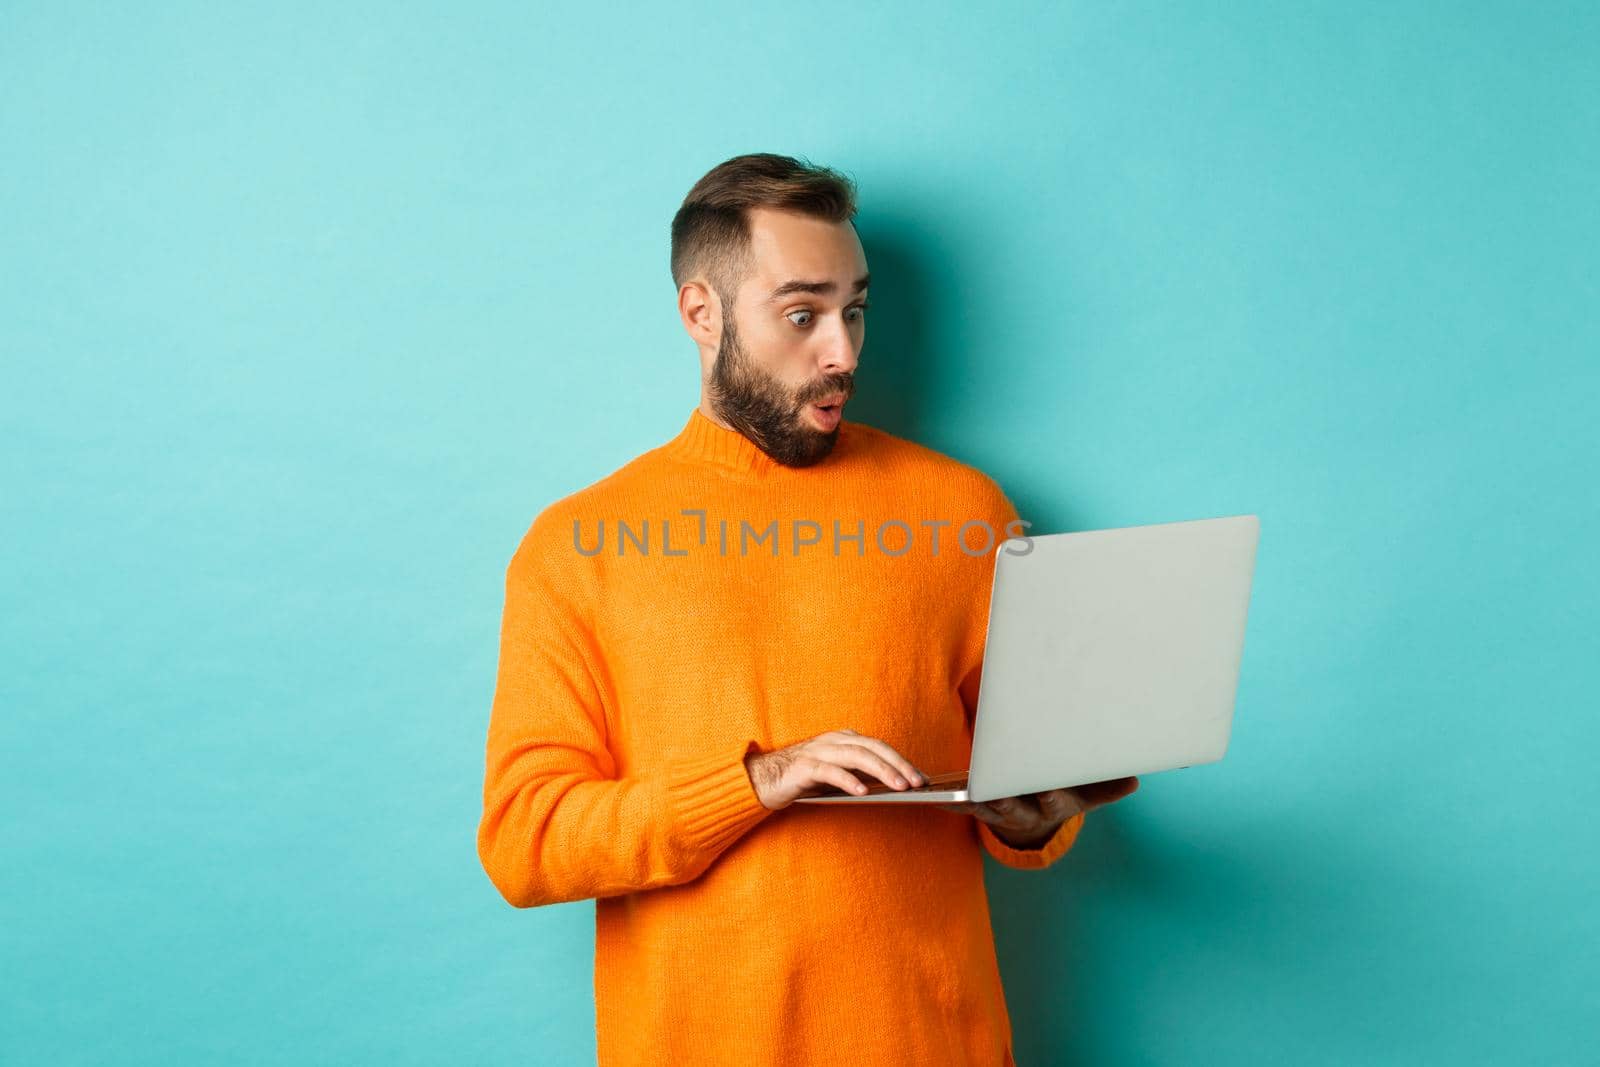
(969, 807)
(867, 759)
(1058, 805)
(1003, 813)
(821, 772)
(1028, 815)
(1095, 794)
(1012, 813)
(986, 813)
(887, 752)
(1017, 807)
(869, 762)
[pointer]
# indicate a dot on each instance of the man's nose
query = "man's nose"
(840, 357)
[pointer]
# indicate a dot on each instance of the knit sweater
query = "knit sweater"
(703, 602)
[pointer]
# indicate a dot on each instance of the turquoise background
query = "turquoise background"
(306, 311)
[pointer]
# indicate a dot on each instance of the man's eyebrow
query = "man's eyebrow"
(813, 287)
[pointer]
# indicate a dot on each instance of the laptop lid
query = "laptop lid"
(1111, 652)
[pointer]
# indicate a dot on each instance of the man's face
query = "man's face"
(786, 361)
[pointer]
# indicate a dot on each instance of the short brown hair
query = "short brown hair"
(711, 231)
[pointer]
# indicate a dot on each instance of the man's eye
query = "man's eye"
(859, 308)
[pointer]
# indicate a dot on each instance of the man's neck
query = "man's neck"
(709, 412)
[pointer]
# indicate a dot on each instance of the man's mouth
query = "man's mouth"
(831, 404)
(828, 409)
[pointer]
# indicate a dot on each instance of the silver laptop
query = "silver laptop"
(1109, 653)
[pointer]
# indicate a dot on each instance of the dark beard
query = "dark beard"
(762, 410)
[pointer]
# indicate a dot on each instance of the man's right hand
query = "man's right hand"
(781, 776)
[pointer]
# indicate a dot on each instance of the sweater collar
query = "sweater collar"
(703, 441)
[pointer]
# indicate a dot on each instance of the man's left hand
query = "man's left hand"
(1030, 820)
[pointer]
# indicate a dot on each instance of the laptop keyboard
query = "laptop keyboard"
(937, 783)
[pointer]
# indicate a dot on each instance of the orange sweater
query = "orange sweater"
(657, 627)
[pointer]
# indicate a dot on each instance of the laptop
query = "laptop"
(1109, 653)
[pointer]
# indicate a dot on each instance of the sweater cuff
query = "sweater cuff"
(1032, 858)
(712, 800)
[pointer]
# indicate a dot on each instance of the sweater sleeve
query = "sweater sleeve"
(1001, 514)
(558, 823)
(1032, 858)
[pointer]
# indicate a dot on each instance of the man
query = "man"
(775, 600)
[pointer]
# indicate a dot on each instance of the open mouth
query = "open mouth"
(827, 411)
(828, 415)
(830, 404)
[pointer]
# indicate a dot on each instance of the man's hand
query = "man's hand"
(1029, 821)
(782, 776)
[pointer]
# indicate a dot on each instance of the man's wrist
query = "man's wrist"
(1024, 845)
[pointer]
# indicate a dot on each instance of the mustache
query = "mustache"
(844, 383)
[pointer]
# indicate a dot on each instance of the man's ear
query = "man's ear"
(701, 313)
